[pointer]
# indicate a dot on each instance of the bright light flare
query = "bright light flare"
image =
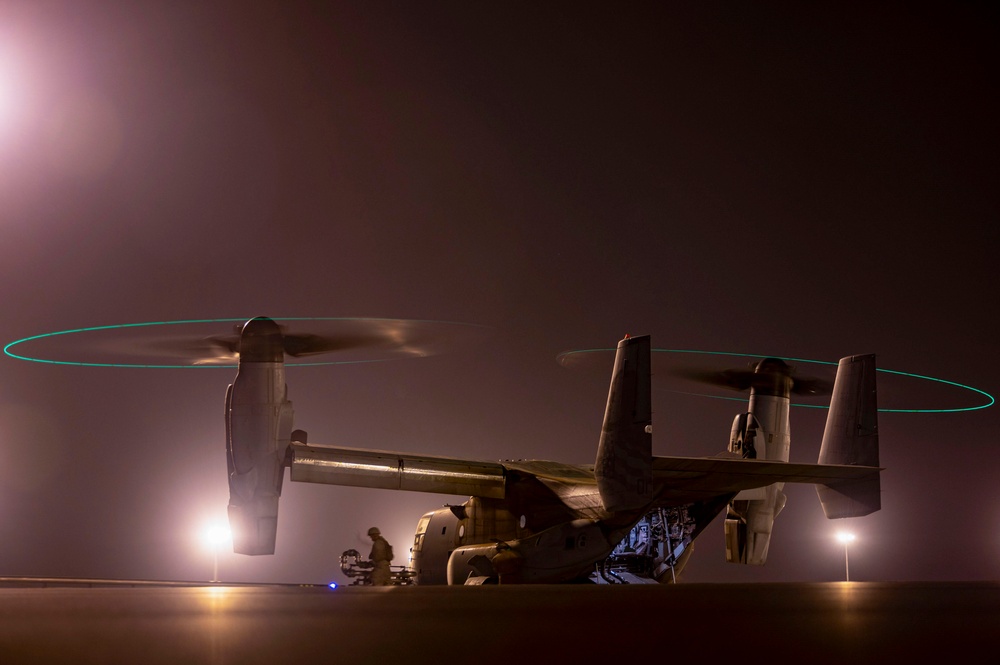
(216, 535)
(15, 93)
(845, 538)
(7, 88)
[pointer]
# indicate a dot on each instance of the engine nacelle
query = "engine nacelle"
(258, 432)
(750, 515)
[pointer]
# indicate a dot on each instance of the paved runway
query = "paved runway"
(718, 623)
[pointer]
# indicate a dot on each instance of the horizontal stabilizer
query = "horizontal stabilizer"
(687, 479)
(851, 438)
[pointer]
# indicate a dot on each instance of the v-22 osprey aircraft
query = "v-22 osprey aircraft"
(547, 522)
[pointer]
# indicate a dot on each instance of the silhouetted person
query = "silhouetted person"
(380, 557)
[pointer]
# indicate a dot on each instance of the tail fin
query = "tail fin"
(624, 466)
(851, 437)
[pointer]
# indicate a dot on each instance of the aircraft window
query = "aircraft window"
(524, 520)
(443, 529)
(461, 530)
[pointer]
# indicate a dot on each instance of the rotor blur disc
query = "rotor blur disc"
(193, 343)
(899, 381)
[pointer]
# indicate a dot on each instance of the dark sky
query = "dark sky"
(788, 180)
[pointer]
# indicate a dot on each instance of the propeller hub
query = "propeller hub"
(772, 376)
(769, 376)
(260, 341)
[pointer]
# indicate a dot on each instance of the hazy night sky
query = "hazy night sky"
(786, 180)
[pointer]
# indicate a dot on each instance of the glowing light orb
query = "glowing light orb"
(216, 535)
(6, 95)
(9, 88)
(845, 537)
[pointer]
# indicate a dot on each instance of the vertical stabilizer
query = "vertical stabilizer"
(624, 466)
(851, 437)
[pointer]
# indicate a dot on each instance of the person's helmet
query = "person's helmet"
(374, 531)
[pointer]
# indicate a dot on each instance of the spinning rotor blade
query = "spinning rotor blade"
(194, 350)
(811, 386)
(310, 345)
(734, 379)
(762, 373)
(395, 336)
(371, 338)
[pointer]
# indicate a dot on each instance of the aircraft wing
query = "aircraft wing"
(382, 469)
(680, 480)
(676, 480)
(685, 479)
(575, 486)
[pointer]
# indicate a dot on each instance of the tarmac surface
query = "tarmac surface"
(840, 622)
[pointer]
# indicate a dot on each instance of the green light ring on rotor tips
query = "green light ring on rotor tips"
(8, 347)
(989, 403)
